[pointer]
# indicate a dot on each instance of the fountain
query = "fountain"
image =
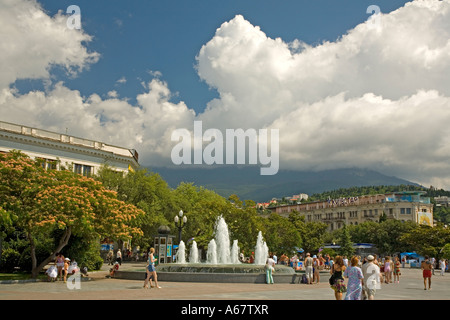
(193, 256)
(211, 255)
(222, 262)
(235, 253)
(223, 242)
(261, 250)
(221, 258)
(181, 254)
(219, 251)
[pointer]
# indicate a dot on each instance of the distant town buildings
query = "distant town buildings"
(58, 151)
(403, 206)
(296, 198)
(443, 201)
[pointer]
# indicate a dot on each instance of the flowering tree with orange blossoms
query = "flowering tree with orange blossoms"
(40, 201)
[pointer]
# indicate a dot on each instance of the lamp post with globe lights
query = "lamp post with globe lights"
(180, 222)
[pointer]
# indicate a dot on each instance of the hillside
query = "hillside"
(248, 184)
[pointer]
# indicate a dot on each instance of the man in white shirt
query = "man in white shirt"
(371, 273)
(309, 268)
(345, 261)
(275, 258)
(442, 266)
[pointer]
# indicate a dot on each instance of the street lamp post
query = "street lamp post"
(180, 223)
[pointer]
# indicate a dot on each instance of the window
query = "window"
(87, 171)
(402, 211)
(408, 210)
(50, 164)
(47, 163)
(78, 168)
(83, 170)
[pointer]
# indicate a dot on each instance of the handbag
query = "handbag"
(332, 280)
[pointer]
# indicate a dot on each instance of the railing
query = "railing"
(64, 138)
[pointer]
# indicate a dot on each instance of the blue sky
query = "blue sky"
(343, 87)
(135, 37)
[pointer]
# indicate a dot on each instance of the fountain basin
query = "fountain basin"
(209, 273)
(219, 268)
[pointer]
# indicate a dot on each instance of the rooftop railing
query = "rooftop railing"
(64, 138)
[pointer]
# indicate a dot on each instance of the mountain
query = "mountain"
(248, 184)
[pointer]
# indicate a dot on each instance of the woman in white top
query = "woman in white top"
(270, 267)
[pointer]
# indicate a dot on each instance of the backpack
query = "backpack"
(304, 279)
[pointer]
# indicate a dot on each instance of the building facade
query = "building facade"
(58, 151)
(403, 206)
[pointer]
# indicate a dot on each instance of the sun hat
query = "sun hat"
(370, 257)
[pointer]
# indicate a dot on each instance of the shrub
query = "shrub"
(9, 259)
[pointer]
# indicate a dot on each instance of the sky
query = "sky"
(345, 87)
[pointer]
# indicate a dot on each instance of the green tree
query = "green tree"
(346, 243)
(148, 192)
(312, 234)
(40, 202)
(446, 251)
(427, 240)
(281, 235)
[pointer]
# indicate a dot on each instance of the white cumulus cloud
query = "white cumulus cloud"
(375, 97)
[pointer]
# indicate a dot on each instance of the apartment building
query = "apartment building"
(403, 206)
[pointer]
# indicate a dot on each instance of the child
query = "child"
(113, 270)
(66, 268)
(396, 270)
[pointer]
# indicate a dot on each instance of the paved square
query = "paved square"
(101, 288)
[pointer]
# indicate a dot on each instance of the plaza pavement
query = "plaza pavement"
(101, 288)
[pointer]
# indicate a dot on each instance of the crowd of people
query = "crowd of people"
(63, 267)
(364, 275)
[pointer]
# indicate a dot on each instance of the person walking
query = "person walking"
(119, 256)
(345, 261)
(442, 266)
(270, 268)
(355, 280)
(330, 263)
(337, 281)
(151, 270)
(433, 263)
(309, 268)
(387, 269)
(316, 269)
(396, 270)
(426, 267)
(109, 257)
(371, 274)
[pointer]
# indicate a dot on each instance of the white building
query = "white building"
(402, 205)
(61, 150)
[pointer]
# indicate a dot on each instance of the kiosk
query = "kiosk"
(163, 245)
